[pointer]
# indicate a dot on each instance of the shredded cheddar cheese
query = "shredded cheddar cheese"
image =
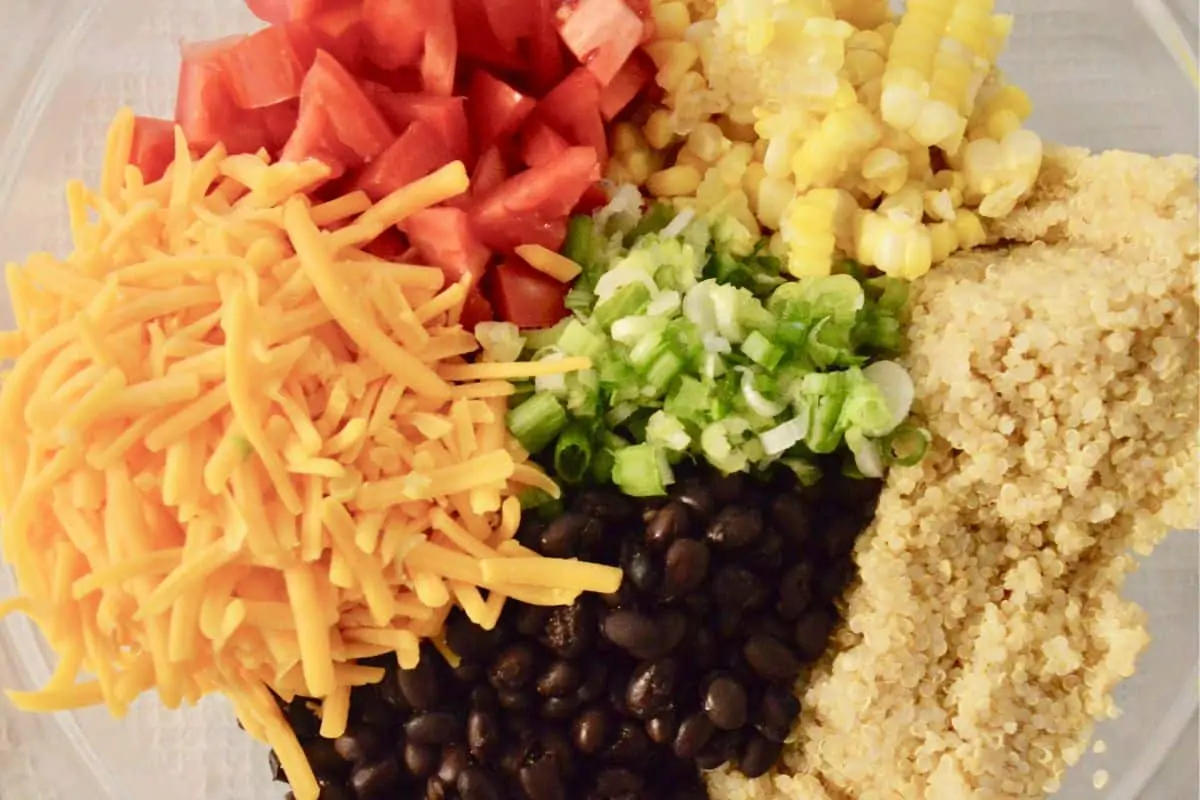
(240, 453)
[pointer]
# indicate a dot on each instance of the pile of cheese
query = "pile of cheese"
(240, 453)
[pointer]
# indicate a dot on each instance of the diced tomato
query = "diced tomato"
(204, 105)
(626, 85)
(444, 238)
(547, 65)
(338, 30)
(405, 79)
(490, 171)
(573, 109)
(278, 122)
(314, 137)
(540, 143)
(496, 109)
(593, 199)
(153, 146)
(476, 40)
(525, 297)
(602, 34)
(353, 120)
(440, 58)
(476, 309)
(446, 115)
(277, 12)
(390, 246)
(395, 31)
(511, 20)
(532, 206)
(418, 152)
(263, 69)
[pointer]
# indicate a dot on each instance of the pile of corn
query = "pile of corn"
(836, 128)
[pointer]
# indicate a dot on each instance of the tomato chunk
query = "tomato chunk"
(547, 64)
(540, 143)
(204, 105)
(490, 171)
(476, 40)
(526, 297)
(153, 146)
(443, 237)
(338, 30)
(602, 34)
(263, 69)
(390, 246)
(278, 122)
(395, 31)
(511, 20)
(626, 85)
(440, 58)
(496, 109)
(476, 309)
(532, 206)
(331, 96)
(446, 115)
(573, 109)
(277, 12)
(418, 152)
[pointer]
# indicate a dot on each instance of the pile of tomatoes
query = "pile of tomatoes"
(387, 91)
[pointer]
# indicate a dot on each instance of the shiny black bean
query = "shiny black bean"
(277, 773)
(723, 747)
(607, 505)
(795, 591)
(542, 781)
(738, 589)
(693, 734)
(483, 735)
(594, 683)
(790, 516)
(834, 578)
(560, 678)
(735, 527)
(769, 625)
(686, 567)
(303, 721)
(516, 700)
(590, 730)
(570, 630)
(812, 632)
(483, 698)
(771, 659)
(556, 745)
(777, 712)
(725, 703)
(694, 494)
(360, 744)
(632, 631)
(661, 729)
(468, 640)
(651, 688)
(618, 783)
(758, 756)
(335, 791)
(531, 620)
(702, 646)
(767, 556)
(437, 789)
(433, 727)
(324, 759)
(643, 571)
(563, 536)
(422, 760)
(668, 524)
(630, 745)
(376, 780)
(420, 684)
(454, 761)
(513, 667)
(476, 783)
(560, 708)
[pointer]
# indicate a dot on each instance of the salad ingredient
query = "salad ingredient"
(1064, 438)
(248, 453)
(702, 349)
(639, 686)
(845, 133)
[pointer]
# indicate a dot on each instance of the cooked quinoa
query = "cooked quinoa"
(1059, 379)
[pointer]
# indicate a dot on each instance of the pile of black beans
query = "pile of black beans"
(728, 595)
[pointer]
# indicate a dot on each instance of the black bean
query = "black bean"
(432, 727)
(834, 578)
(518, 751)
(516, 700)
(618, 783)
(483, 735)
(694, 733)
(563, 536)
(668, 524)
(436, 789)
(376, 779)
(594, 683)
(839, 536)
(791, 517)
(359, 744)
(467, 672)
(513, 667)
(686, 567)
(661, 729)
(630, 745)
(569, 630)
(422, 760)
(643, 571)
(702, 645)
(531, 620)
(304, 722)
(277, 773)
(767, 556)
(476, 783)
(777, 712)
(771, 659)
(324, 759)
(672, 626)
(590, 730)
(626, 594)
(652, 688)
(560, 678)
(735, 527)
(607, 505)
(483, 698)
(725, 703)
(420, 684)
(556, 745)
(335, 791)
(812, 632)
(769, 625)
(795, 591)
(542, 781)
(632, 631)
(454, 761)
(758, 756)
(738, 589)
(560, 707)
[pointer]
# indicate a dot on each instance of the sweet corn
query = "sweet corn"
(707, 142)
(640, 164)
(943, 241)
(778, 156)
(626, 138)
(863, 14)
(886, 169)
(844, 137)
(939, 204)
(906, 205)
(658, 130)
(674, 61)
(968, 228)
(676, 181)
(863, 66)
(898, 248)
(687, 157)
(733, 164)
(999, 173)
(736, 132)
(773, 196)
(812, 226)
(671, 19)
(752, 179)
(712, 190)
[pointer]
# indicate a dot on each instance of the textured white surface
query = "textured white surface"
(1099, 78)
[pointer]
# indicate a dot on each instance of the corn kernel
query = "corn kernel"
(627, 138)
(752, 180)
(736, 131)
(677, 181)
(640, 164)
(778, 157)
(712, 190)
(733, 164)
(618, 172)
(885, 168)
(671, 20)
(737, 205)
(863, 66)
(674, 61)
(906, 205)
(707, 142)
(760, 149)
(939, 205)
(686, 157)
(943, 241)
(1002, 123)
(948, 179)
(773, 196)
(968, 228)
(863, 13)
(900, 249)
(658, 130)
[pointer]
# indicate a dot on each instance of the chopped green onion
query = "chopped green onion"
(657, 217)
(627, 301)
(661, 373)
(578, 340)
(690, 401)
(536, 421)
(580, 244)
(641, 471)
(573, 454)
(906, 445)
(543, 338)
(647, 350)
(762, 351)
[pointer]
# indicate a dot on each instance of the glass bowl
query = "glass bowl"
(1099, 73)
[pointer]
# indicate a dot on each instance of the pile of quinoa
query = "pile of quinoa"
(1058, 375)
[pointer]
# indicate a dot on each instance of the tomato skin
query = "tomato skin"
(350, 120)
(338, 30)
(572, 108)
(389, 246)
(602, 34)
(153, 146)
(547, 63)
(395, 35)
(511, 20)
(204, 105)
(490, 171)
(626, 85)
(446, 115)
(443, 237)
(440, 59)
(496, 109)
(477, 42)
(525, 297)
(476, 309)
(540, 143)
(263, 69)
(417, 153)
